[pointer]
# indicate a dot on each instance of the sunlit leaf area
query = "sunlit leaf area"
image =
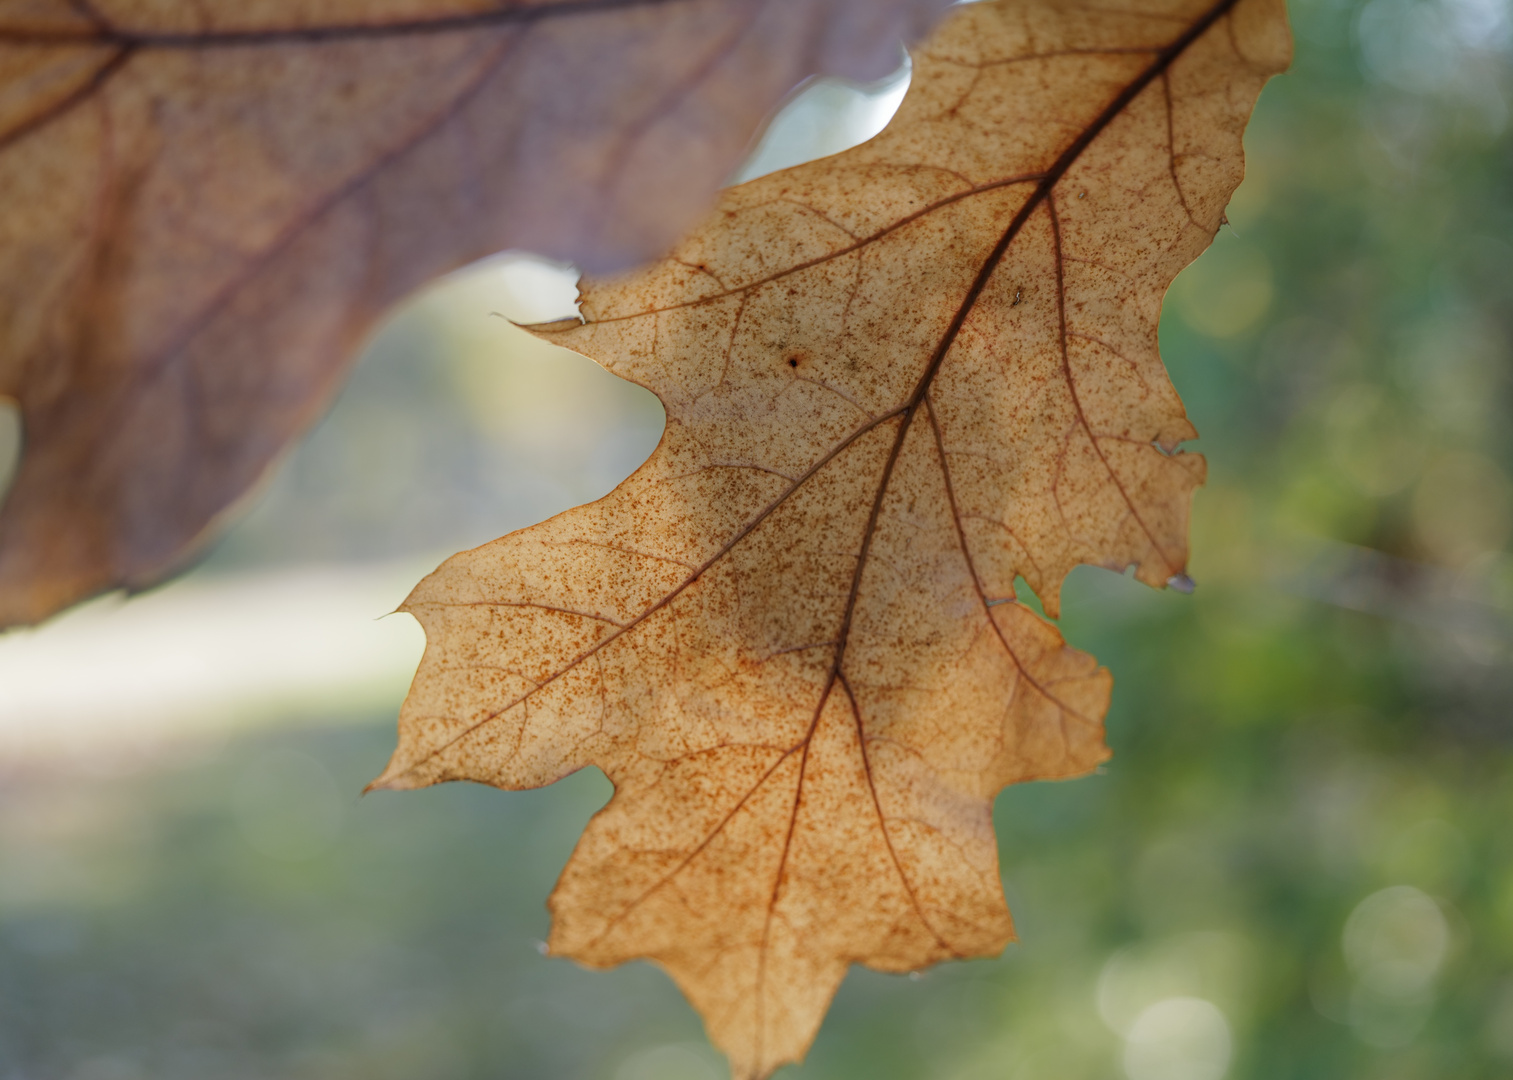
(1297, 864)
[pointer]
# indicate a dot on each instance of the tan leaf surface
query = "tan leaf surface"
(895, 379)
(207, 204)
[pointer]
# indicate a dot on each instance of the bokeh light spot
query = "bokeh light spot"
(1181, 1038)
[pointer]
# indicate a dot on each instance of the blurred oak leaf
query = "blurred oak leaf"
(208, 204)
(896, 379)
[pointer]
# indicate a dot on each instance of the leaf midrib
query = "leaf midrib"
(107, 34)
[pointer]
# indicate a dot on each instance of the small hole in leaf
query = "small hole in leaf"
(793, 361)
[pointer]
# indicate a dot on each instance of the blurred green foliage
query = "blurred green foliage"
(1297, 865)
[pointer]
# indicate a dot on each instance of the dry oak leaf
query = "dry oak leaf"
(206, 205)
(895, 379)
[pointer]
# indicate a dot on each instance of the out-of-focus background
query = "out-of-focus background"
(1299, 863)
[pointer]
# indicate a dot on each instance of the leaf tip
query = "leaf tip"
(556, 326)
(1181, 583)
(392, 779)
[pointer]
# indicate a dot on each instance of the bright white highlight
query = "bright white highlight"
(201, 656)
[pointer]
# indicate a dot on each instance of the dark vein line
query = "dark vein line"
(69, 102)
(86, 11)
(826, 218)
(1171, 146)
(1156, 16)
(622, 549)
(966, 551)
(153, 366)
(603, 698)
(128, 42)
(665, 105)
(798, 648)
(1131, 50)
(735, 329)
(843, 637)
(1234, 40)
(558, 327)
(1071, 383)
(683, 865)
(520, 604)
(777, 883)
(1109, 348)
(608, 639)
(699, 267)
(882, 821)
(713, 465)
(513, 15)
